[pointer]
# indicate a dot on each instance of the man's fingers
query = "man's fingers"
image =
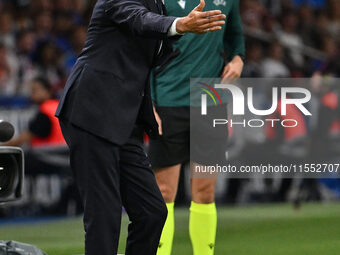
(226, 70)
(160, 131)
(202, 22)
(219, 17)
(200, 7)
(231, 74)
(212, 24)
(159, 121)
(214, 29)
(226, 80)
(209, 13)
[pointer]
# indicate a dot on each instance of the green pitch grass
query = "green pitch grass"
(260, 230)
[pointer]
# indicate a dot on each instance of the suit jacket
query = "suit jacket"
(112, 72)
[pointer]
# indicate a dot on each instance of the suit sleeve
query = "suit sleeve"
(135, 17)
(233, 36)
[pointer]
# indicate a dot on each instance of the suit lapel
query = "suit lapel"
(159, 4)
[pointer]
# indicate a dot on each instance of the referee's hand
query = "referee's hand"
(200, 22)
(159, 121)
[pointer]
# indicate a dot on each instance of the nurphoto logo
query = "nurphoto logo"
(281, 99)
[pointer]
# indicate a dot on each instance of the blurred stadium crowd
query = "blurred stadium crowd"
(291, 38)
(287, 38)
(40, 38)
(284, 38)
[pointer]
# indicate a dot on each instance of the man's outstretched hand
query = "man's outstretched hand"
(200, 22)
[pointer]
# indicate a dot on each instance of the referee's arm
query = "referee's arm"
(233, 36)
(234, 43)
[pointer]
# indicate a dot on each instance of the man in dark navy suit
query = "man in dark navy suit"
(104, 111)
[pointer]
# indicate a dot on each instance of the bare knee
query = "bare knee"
(168, 192)
(167, 180)
(203, 192)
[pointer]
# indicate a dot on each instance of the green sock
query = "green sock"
(202, 228)
(165, 243)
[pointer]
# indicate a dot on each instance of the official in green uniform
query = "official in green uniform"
(198, 56)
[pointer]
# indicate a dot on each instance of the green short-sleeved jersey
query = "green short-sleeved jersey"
(200, 55)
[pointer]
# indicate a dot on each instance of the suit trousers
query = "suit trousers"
(108, 177)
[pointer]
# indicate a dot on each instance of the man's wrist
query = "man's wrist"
(173, 29)
(180, 28)
(238, 58)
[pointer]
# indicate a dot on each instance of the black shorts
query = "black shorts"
(173, 146)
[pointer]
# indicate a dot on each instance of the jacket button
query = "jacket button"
(142, 93)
